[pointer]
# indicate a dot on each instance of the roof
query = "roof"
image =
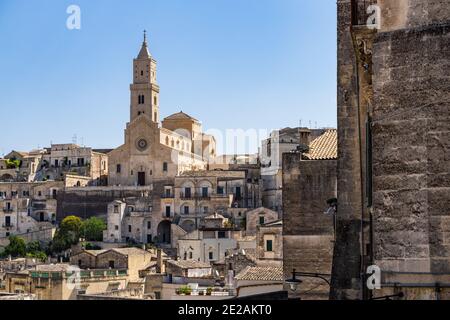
(235, 174)
(124, 251)
(266, 273)
(215, 215)
(189, 264)
(53, 267)
(323, 147)
(180, 116)
(144, 53)
(273, 223)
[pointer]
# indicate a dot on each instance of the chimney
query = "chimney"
(304, 136)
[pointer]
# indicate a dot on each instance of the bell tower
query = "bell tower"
(144, 89)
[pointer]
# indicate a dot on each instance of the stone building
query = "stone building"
(269, 242)
(197, 194)
(393, 168)
(258, 217)
(309, 180)
(152, 152)
(271, 157)
(20, 166)
(64, 282)
(131, 259)
(62, 159)
(28, 209)
(211, 241)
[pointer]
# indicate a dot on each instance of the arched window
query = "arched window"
(143, 99)
(139, 99)
(155, 100)
(167, 140)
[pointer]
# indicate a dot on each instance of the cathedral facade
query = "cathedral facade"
(155, 151)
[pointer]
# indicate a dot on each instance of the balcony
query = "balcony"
(8, 210)
(359, 11)
(195, 196)
(167, 196)
(7, 225)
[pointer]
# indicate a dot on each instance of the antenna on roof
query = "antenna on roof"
(74, 139)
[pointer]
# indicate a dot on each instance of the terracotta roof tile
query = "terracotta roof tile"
(267, 273)
(323, 147)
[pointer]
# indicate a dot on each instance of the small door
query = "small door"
(149, 238)
(141, 178)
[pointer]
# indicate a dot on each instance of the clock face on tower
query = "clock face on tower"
(142, 144)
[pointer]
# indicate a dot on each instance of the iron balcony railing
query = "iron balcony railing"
(360, 15)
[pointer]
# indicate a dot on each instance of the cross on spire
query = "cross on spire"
(145, 36)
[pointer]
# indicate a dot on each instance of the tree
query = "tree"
(35, 250)
(67, 235)
(92, 229)
(16, 247)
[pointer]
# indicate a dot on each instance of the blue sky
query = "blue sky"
(261, 64)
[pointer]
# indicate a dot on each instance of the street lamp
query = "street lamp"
(293, 282)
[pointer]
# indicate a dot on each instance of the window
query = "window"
(142, 73)
(165, 166)
(142, 99)
(219, 190)
(80, 162)
(39, 193)
(185, 255)
(269, 244)
(211, 255)
(261, 219)
(155, 100)
(186, 209)
(205, 192)
(149, 224)
(111, 264)
(222, 235)
(116, 209)
(129, 228)
(118, 168)
(205, 209)
(7, 221)
(190, 255)
(155, 115)
(168, 211)
(187, 192)
(116, 227)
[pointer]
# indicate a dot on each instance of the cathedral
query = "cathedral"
(154, 150)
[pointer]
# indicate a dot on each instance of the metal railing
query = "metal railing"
(359, 11)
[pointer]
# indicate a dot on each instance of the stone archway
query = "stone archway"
(6, 178)
(164, 232)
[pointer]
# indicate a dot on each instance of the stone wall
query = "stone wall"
(308, 232)
(411, 134)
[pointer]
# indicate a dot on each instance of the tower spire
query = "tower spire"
(144, 53)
